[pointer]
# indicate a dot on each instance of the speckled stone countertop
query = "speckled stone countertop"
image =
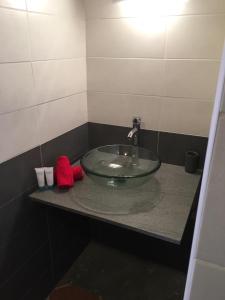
(159, 208)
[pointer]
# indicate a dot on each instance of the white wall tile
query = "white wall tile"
(18, 4)
(19, 132)
(57, 7)
(59, 78)
(204, 7)
(212, 241)
(56, 37)
(102, 9)
(118, 109)
(16, 86)
(185, 116)
(62, 115)
(191, 78)
(195, 37)
(123, 8)
(131, 8)
(107, 108)
(193, 46)
(148, 108)
(120, 38)
(134, 76)
(13, 36)
(223, 102)
(208, 282)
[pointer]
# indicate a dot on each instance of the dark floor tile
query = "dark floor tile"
(20, 282)
(18, 175)
(117, 275)
(172, 147)
(73, 144)
(73, 292)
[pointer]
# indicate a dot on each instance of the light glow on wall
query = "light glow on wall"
(147, 15)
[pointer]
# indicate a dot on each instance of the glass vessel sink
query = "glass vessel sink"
(120, 165)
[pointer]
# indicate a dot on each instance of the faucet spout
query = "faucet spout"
(133, 135)
(132, 132)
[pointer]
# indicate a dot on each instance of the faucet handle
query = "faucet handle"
(137, 122)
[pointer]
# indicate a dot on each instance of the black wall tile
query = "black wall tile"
(26, 262)
(69, 235)
(73, 144)
(14, 254)
(22, 236)
(172, 147)
(41, 288)
(17, 175)
(149, 140)
(18, 215)
(20, 282)
(101, 134)
(28, 269)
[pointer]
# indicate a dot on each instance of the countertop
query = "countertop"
(159, 208)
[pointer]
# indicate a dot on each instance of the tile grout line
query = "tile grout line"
(60, 59)
(38, 145)
(42, 103)
(159, 16)
(158, 137)
(41, 156)
(88, 18)
(148, 95)
(50, 247)
(13, 8)
(211, 264)
(160, 59)
(29, 11)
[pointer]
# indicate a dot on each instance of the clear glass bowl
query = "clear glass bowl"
(120, 165)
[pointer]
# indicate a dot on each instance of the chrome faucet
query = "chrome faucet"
(133, 135)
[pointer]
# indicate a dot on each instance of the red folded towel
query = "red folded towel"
(78, 173)
(64, 173)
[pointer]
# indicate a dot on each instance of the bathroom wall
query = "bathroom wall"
(42, 71)
(43, 113)
(154, 59)
(207, 264)
(209, 261)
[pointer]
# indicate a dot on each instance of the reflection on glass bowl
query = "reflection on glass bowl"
(106, 199)
(120, 165)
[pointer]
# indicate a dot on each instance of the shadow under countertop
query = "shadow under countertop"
(160, 207)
